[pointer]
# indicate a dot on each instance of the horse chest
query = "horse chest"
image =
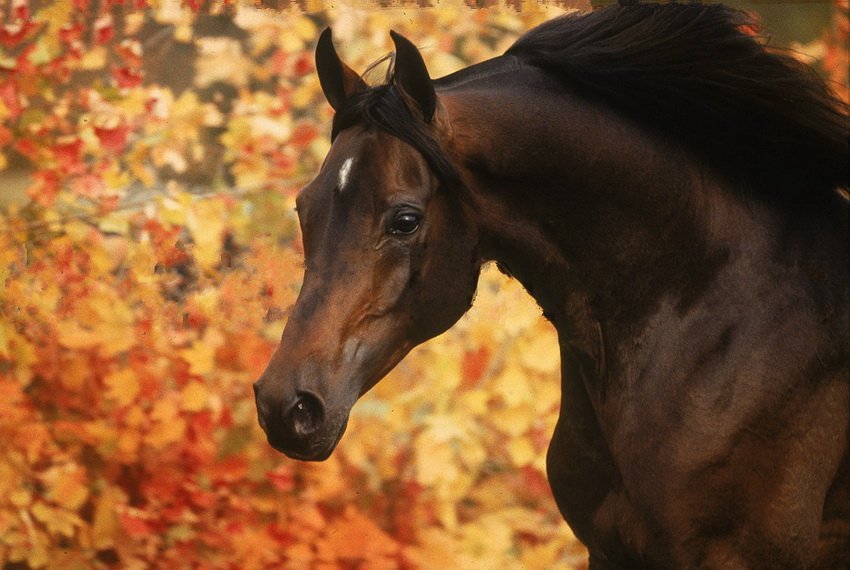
(682, 438)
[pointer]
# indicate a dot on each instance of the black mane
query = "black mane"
(694, 71)
(383, 107)
(691, 71)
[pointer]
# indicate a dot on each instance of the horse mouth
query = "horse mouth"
(312, 455)
(317, 447)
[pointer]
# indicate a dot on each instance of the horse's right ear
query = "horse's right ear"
(338, 80)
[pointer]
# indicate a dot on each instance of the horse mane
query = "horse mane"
(383, 106)
(691, 71)
(697, 73)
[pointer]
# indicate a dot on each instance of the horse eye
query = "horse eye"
(405, 223)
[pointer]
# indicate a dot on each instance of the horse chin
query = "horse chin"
(312, 455)
(318, 447)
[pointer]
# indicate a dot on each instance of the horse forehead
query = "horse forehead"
(374, 157)
(344, 173)
(376, 163)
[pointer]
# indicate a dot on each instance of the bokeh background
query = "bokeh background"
(150, 152)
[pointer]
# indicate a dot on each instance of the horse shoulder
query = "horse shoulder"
(728, 421)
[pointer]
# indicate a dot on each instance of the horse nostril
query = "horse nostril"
(307, 414)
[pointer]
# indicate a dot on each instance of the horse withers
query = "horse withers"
(667, 189)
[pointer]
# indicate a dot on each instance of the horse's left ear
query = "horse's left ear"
(338, 81)
(411, 76)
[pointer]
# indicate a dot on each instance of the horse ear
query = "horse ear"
(411, 76)
(338, 81)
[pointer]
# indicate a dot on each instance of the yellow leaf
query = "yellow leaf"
(540, 353)
(319, 148)
(55, 16)
(201, 357)
(37, 555)
(16, 348)
(545, 555)
(206, 302)
(512, 386)
(521, 451)
(221, 59)
(194, 397)
(489, 539)
(304, 95)
(20, 498)
(122, 386)
(435, 461)
(166, 432)
(94, 58)
(435, 550)
(304, 28)
(183, 33)
(57, 521)
(105, 524)
(66, 486)
(100, 429)
(474, 402)
(103, 321)
(513, 421)
(206, 222)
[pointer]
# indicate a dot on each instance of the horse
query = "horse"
(673, 194)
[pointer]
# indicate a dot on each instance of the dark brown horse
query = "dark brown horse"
(670, 192)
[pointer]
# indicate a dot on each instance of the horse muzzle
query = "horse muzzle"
(301, 426)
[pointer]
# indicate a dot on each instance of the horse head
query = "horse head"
(391, 255)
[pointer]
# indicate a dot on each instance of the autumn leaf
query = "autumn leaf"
(66, 486)
(355, 538)
(122, 386)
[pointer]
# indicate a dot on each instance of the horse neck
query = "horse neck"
(595, 216)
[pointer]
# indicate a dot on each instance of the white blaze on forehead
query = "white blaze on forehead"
(343, 173)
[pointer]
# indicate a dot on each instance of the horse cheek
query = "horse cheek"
(444, 288)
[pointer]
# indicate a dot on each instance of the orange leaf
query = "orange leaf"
(66, 486)
(355, 537)
(194, 397)
(122, 386)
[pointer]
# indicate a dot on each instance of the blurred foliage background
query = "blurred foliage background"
(150, 152)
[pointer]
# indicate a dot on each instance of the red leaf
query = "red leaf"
(6, 136)
(104, 31)
(68, 154)
(127, 77)
(70, 33)
(474, 364)
(131, 52)
(304, 65)
(45, 187)
(134, 524)
(112, 139)
(13, 34)
(89, 185)
(229, 470)
(28, 148)
(20, 10)
(11, 99)
(303, 134)
(107, 204)
(282, 478)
